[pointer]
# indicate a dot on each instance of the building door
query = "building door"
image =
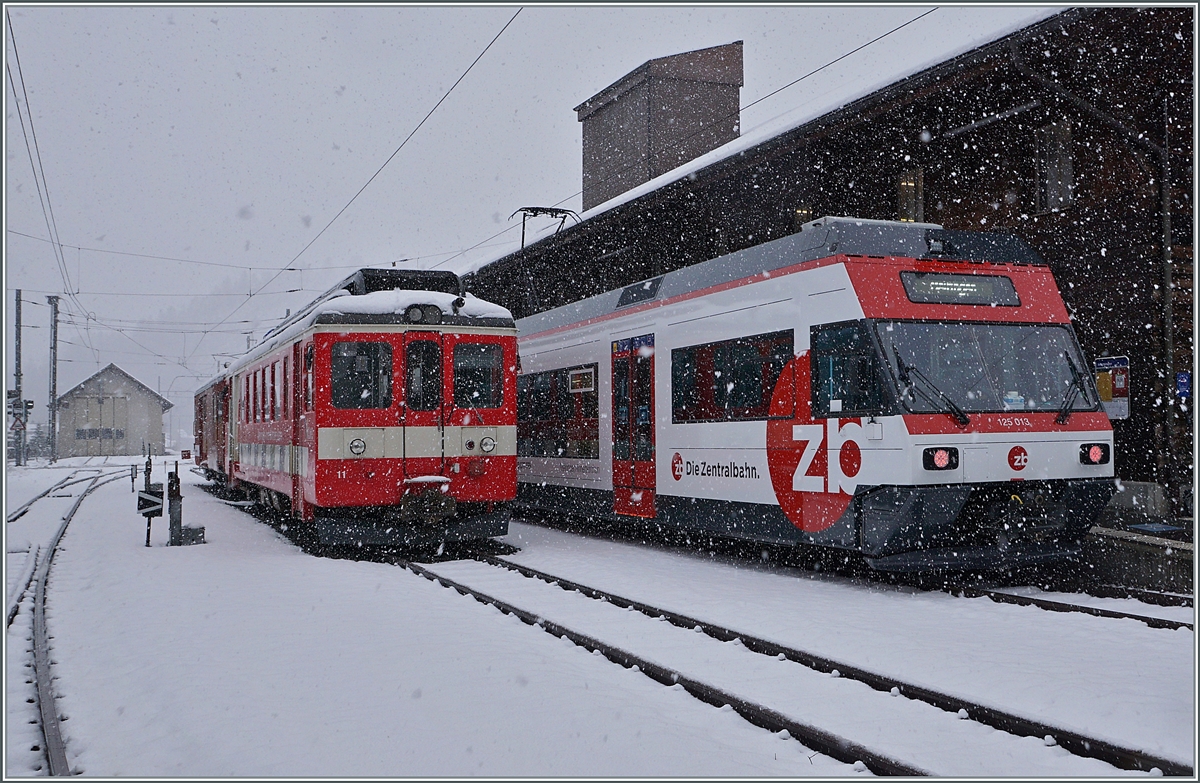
(633, 426)
(421, 412)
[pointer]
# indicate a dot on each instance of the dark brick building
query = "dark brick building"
(1075, 132)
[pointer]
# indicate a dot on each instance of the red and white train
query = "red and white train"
(384, 413)
(911, 393)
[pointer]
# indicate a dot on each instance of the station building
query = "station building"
(1075, 133)
(111, 413)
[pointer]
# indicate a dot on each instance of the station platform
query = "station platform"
(1136, 543)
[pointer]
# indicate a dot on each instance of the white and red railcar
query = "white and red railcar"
(382, 414)
(912, 393)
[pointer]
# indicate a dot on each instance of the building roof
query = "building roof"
(112, 368)
(717, 64)
(869, 88)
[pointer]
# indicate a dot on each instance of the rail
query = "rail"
(1073, 742)
(56, 753)
(756, 714)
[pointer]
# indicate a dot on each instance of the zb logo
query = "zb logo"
(811, 474)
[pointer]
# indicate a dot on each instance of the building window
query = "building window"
(80, 434)
(1055, 168)
(910, 187)
(801, 215)
(732, 380)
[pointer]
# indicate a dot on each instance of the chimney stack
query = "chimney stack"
(658, 117)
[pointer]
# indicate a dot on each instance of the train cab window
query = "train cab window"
(731, 380)
(846, 379)
(361, 375)
(478, 375)
(423, 375)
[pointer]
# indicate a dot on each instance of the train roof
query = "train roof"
(381, 296)
(818, 239)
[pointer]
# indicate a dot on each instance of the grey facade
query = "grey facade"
(658, 117)
(111, 413)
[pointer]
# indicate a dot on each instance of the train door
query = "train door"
(422, 416)
(633, 426)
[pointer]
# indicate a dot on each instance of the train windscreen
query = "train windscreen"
(986, 367)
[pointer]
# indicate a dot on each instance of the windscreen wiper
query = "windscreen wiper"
(908, 371)
(1074, 387)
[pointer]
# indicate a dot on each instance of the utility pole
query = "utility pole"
(52, 408)
(20, 399)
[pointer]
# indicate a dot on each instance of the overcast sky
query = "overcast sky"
(190, 153)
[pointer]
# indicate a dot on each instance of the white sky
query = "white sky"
(229, 137)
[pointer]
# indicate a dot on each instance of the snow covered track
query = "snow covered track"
(56, 754)
(66, 482)
(811, 736)
(1076, 743)
(1000, 596)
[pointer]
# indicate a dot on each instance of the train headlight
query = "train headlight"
(432, 314)
(940, 458)
(414, 314)
(1094, 454)
(487, 444)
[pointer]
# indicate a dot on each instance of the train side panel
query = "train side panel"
(770, 465)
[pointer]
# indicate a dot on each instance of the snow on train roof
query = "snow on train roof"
(396, 301)
(392, 302)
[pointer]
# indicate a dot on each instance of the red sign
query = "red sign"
(1018, 458)
(185, 454)
(677, 466)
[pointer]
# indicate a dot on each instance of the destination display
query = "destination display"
(943, 288)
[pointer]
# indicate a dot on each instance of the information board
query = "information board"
(1112, 380)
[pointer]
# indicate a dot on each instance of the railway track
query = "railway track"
(53, 745)
(823, 740)
(1001, 596)
(70, 480)
(813, 737)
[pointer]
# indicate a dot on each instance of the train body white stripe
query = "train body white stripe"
(413, 442)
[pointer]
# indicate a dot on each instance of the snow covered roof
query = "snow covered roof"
(113, 369)
(865, 85)
(377, 307)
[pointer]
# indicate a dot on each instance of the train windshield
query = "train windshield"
(986, 367)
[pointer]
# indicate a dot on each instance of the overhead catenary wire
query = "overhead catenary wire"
(380, 169)
(175, 259)
(792, 83)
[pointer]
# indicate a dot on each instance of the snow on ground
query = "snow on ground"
(1118, 680)
(931, 739)
(245, 657)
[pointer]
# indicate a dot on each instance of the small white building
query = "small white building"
(111, 413)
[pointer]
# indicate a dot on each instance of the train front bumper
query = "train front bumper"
(380, 530)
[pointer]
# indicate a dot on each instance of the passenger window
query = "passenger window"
(558, 414)
(309, 353)
(423, 375)
(361, 375)
(731, 380)
(846, 378)
(478, 375)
